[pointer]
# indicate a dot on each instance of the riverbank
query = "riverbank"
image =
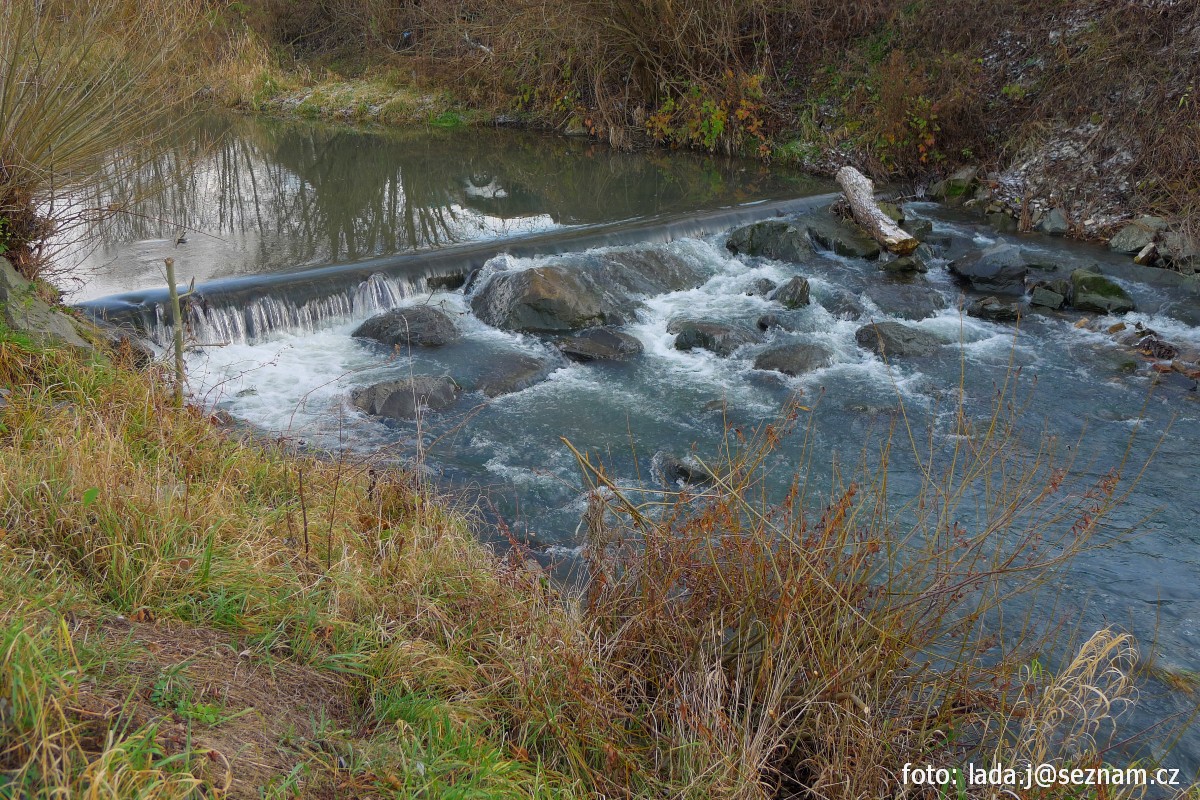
(1061, 116)
(186, 612)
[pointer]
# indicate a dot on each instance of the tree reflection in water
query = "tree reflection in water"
(275, 195)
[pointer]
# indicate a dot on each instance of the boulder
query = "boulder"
(768, 321)
(545, 299)
(1047, 298)
(793, 293)
(510, 372)
(774, 239)
(419, 326)
(843, 238)
(843, 305)
(913, 301)
(1000, 269)
(1091, 291)
(994, 310)
(600, 344)
(404, 399)
(893, 339)
(1134, 237)
(1054, 223)
(957, 187)
(716, 337)
(23, 311)
(794, 359)
(580, 290)
(761, 287)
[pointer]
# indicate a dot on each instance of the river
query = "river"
(297, 232)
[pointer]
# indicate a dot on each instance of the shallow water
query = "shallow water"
(330, 196)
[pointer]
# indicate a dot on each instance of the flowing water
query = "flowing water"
(303, 231)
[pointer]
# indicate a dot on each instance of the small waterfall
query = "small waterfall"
(250, 307)
(210, 324)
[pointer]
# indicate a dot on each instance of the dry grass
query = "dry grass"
(794, 650)
(181, 609)
(899, 88)
(730, 644)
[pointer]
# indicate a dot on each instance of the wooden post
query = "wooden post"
(177, 316)
(860, 192)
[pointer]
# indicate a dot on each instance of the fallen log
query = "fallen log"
(860, 192)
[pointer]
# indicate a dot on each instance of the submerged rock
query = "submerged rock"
(918, 228)
(421, 326)
(892, 339)
(774, 239)
(511, 372)
(794, 358)
(994, 310)
(904, 265)
(768, 321)
(600, 344)
(404, 399)
(762, 287)
(843, 304)
(672, 470)
(716, 337)
(907, 300)
(998, 270)
(1091, 291)
(793, 293)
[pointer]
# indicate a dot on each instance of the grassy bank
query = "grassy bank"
(184, 614)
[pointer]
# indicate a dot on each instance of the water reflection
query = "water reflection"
(265, 196)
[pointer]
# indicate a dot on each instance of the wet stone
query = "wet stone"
(600, 344)
(793, 293)
(405, 399)
(889, 339)
(716, 337)
(419, 326)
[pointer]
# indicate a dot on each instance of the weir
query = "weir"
(247, 308)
